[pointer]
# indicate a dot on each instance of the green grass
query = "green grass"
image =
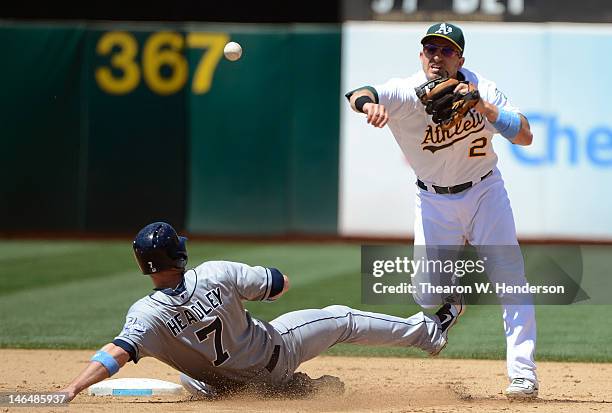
(59, 294)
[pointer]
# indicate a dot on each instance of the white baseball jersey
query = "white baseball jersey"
(444, 158)
(480, 215)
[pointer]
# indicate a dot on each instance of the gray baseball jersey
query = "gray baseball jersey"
(201, 328)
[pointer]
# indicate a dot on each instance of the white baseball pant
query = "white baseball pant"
(482, 216)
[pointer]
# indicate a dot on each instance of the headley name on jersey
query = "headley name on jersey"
(194, 313)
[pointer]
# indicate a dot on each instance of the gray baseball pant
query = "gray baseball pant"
(307, 333)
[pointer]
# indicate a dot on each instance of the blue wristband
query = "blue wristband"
(508, 124)
(107, 361)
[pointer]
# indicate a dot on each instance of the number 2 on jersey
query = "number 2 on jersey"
(216, 327)
(480, 143)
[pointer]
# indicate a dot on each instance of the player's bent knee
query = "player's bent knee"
(429, 306)
(427, 301)
(337, 309)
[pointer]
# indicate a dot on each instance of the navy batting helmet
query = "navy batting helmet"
(157, 247)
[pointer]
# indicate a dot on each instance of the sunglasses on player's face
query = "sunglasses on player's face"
(446, 51)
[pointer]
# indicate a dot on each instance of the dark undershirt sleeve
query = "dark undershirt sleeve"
(278, 282)
(127, 347)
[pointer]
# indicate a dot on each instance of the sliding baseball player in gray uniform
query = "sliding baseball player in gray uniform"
(195, 321)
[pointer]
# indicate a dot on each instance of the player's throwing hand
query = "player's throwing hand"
(377, 115)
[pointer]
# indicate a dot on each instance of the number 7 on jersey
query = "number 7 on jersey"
(216, 327)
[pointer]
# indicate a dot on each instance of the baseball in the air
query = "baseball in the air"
(232, 51)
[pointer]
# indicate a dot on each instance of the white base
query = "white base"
(134, 387)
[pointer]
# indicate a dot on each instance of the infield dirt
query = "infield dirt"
(372, 385)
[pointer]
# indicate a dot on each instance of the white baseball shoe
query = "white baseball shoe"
(522, 389)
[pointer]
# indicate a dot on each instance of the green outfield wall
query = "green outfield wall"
(264, 139)
(41, 127)
(110, 126)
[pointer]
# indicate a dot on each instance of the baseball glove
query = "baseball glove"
(446, 107)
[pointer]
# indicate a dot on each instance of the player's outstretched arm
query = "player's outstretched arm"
(96, 371)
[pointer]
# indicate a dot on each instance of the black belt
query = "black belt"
(451, 189)
(273, 359)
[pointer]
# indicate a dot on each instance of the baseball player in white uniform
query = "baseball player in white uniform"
(195, 321)
(461, 196)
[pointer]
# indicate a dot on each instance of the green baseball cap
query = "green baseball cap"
(446, 31)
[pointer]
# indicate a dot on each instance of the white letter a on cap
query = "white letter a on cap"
(444, 29)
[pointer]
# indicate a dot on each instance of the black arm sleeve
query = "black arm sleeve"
(278, 282)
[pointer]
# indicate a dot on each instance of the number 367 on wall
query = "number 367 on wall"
(161, 49)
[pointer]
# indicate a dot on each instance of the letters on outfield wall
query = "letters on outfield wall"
(592, 11)
(553, 73)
